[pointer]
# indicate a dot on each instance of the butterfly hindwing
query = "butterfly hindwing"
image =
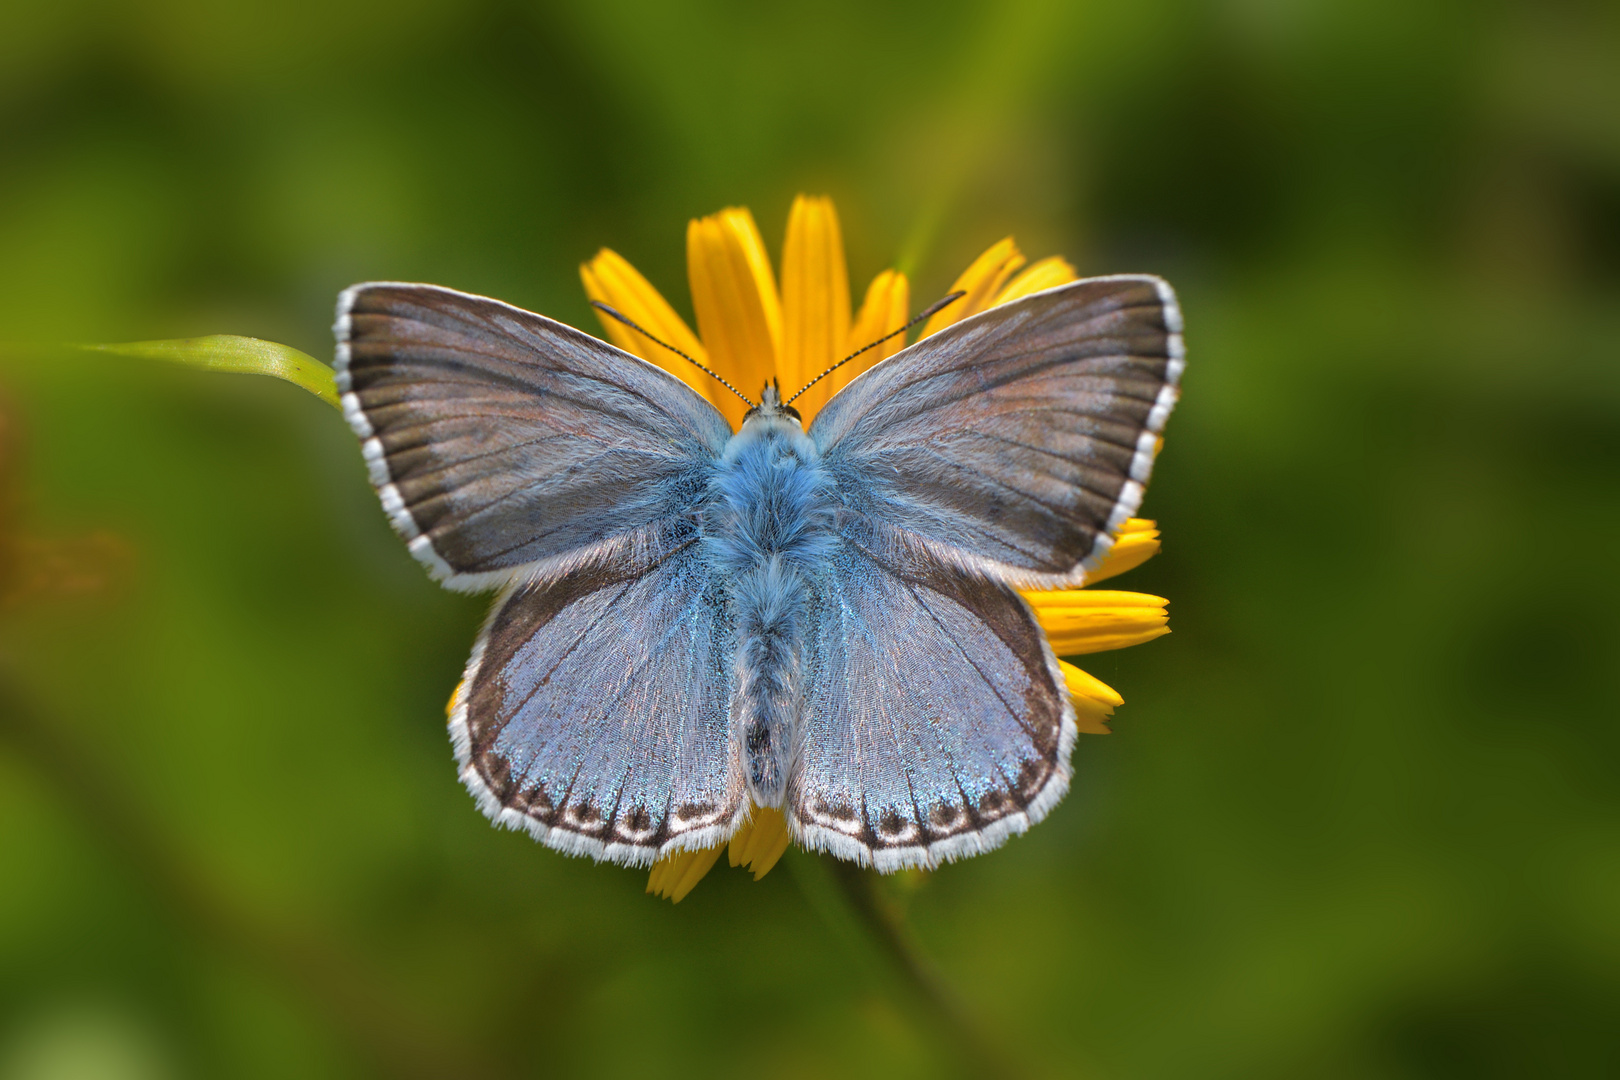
(935, 721)
(499, 439)
(1015, 442)
(596, 712)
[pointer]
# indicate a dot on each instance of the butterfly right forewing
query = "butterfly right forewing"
(1016, 442)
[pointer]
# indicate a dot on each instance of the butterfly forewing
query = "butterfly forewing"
(499, 439)
(1016, 442)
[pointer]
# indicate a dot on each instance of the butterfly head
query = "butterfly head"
(770, 405)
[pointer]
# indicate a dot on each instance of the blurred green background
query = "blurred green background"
(1360, 816)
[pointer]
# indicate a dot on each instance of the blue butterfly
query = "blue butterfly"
(692, 620)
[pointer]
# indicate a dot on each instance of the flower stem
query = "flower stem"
(949, 1014)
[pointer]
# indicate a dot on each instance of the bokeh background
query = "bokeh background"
(1360, 816)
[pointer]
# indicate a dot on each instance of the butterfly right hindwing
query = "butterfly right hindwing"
(935, 720)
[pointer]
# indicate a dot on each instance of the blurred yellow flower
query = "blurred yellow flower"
(751, 331)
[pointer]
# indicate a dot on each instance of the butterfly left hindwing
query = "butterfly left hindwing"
(596, 712)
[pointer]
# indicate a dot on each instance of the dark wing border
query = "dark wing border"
(1141, 470)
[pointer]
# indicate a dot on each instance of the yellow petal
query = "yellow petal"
(1049, 273)
(611, 279)
(674, 876)
(981, 281)
(815, 301)
(734, 295)
(1137, 542)
(885, 310)
(1091, 717)
(1079, 621)
(760, 842)
(1094, 700)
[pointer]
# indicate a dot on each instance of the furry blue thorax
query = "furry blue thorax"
(770, 525)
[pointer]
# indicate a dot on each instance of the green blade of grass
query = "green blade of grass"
(242, 355)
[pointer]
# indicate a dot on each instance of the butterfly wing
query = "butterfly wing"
(501, 441)
(513, 451)
(595, 711)
(935, 722)
(1015, 442)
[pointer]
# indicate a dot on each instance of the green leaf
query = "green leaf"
(242, 355)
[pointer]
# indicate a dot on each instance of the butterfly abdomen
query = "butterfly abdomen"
(769, 527)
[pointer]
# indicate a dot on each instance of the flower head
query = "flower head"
(750, 331)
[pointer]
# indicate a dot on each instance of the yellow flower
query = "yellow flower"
(750, 331)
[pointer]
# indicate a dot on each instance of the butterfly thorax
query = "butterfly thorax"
(768, 527)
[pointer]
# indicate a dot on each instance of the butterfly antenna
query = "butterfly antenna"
(931, 309)
(701, 367)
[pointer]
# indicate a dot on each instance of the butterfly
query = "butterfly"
(691, 622)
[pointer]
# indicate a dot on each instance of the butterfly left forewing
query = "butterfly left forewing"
(503, 443)
(935, 722)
